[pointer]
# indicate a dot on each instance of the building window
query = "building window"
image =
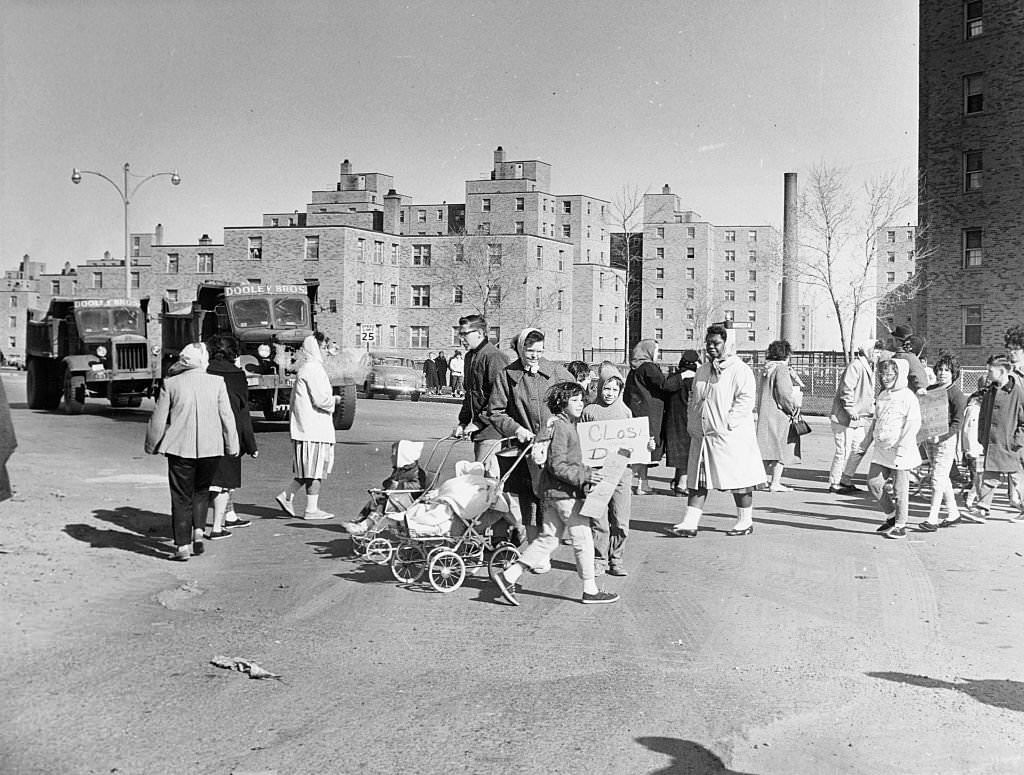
(660, 231)
(393, 296)
(730, 236)
(520, 204)
(12, 321)
(615, 315)
(401, 216)
(332, 305)
(973, 26)
(135, 279)
(910, 276)
(690, 273)
(457, 294)
(752, 315)
(204, 263)
(752, 256)
(689, 334)
(421, 295)
(561, 260)
(12, 342)
(172, 294)
(691, 232)
(890, 236)
(659, 273)
(560, 301)
(440, 214)
(378, 253)
(972, 247)
(519, 227)
(359, 292)
(378, 293)
(730, 295)
(421, 255)
(419, 336)
(494, 254)
(659, 313)
(255, 248)
(890, 277)
(485, 205)
(600, 312)
(891, 256)
(691, 253)
(973, 167)
(751, 295)
(973, 97)
(393, 336)
(493, 296)
(566, 230)
(659, 253)
(312, 248)
(751, 236)
(275, 221)
(659, 293)
(136, 246)
(910, 256)
(361, 249)
(421, 216)
(54, 287)
(751, 335)
(567, 207)
(690, 313)
(972, 324)
(752, 275)
(730, 314)
(484, 227)
(730, 275)
(394, 254)
(910, 235)
(659, 334)
(172, 263)
(730, 255)
(691, 293)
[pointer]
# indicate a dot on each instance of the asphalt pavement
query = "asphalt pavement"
(812, 646)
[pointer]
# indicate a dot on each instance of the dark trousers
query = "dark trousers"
(189, 479)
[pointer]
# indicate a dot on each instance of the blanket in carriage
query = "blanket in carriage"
(455, 502)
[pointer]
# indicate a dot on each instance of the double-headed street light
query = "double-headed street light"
(126, 196)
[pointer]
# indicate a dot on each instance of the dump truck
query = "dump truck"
(269, 321)
(81, 348)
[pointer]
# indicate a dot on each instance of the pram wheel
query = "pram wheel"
(378, 551)
(446, 571)
(504, 556)
(408, 563)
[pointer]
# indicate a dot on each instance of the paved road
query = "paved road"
(812, 646)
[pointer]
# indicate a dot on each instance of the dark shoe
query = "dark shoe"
(678, 531)
(949, 522)
(895, 532)
(599, 597)
(847, 489)
(237, 523)
(616, 570)
(744, 532)
(198, 548)
(218, 535)
(927, 527)
(887, 525)
(508, 590)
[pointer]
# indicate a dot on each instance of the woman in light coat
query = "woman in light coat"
(192, 425)
(777, 402)
(723, 437)
(312, 428)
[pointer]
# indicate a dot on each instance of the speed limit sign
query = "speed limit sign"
(367, 335)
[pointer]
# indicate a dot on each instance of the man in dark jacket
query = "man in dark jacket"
(482, 365)
(430, 373)
(908, 347)
(442, 371)
(1001, 433)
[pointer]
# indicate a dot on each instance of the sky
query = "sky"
(256, 103)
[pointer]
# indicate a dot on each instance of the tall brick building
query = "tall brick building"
(896, 275)
(972, 173)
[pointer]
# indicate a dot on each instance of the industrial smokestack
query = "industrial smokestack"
(790, 327)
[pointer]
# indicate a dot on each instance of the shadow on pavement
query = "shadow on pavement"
(688, 757)
(142, 532)
(997, 692)
(263, 512)
(337, 549)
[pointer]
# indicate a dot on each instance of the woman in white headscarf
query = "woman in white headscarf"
(191, 404)
(312, 429)
(723, 436)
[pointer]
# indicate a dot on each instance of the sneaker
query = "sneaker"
(950, 522)
(927, 527)
(540, 570)
(847, 489)
(887, 525)
(318, 514)
(233, 523)
(599, 597)
(895, 532)
(507, 588)
(219, 534)
(286, 504)
(616, 570)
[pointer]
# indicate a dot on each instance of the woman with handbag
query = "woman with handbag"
(779, 424)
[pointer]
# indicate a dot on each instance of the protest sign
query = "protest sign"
(934, 413)
(615, 464)
(600, 439)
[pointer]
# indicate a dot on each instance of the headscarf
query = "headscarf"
(521, 348)
(902, 374)
(608, 369)
(606, 372)
(310, 350)
(642, 352)
(194, 356)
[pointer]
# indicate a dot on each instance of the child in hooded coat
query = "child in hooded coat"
(612, 528)
(893, 439)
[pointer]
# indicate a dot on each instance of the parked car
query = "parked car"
(394, 376)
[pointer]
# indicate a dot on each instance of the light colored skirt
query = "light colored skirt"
(312, 459)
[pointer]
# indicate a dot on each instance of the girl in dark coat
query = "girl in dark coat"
(645, 398)
(430, 373)
(674, 435)
(223, 363)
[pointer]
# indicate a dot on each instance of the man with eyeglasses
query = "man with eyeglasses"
(482, 365)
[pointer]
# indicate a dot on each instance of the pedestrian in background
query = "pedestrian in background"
(970, 444)
(430, 373)
(675, 437)
(312, 429)
(1001, 433)
(906, 347)
(194, 427)
(646, 398)
(442, 371)
(723, 436)
(8, 443)
(852, 411)
(942, 450)
(455, 371)
(777, 405)
(228, 477)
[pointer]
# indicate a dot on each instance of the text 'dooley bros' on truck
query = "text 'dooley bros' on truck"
(269, 321)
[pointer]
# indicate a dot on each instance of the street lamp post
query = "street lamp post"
(126, 197)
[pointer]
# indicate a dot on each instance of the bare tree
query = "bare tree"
(839, 229)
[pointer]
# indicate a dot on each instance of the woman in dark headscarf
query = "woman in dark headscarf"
(673, 428)
(645, 397)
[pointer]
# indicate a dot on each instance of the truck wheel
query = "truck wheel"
(414, 397)
(345, 410)
(74, 393)
(35, 385)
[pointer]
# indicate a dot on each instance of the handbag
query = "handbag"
(798, 427)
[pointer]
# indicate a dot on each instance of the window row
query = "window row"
(420, 296)
(419, 336)
(690, 334)
(203, 265)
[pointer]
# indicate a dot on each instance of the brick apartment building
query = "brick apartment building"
(896, 276)
(972, 173)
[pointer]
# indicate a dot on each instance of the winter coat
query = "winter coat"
(855, 397)
(482, 368)
(645, 397)
(720, 420)
(897, 421)
(455, 366)
(969, 442)
(442, 370)
(776, 404)
(518, 399)
(229, 470)
(564, 473)
(430, 372)
(674, 436)
(312, 409)
(1001, 426)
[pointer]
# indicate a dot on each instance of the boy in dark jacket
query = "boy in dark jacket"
(1001, 433)
(561, 489)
